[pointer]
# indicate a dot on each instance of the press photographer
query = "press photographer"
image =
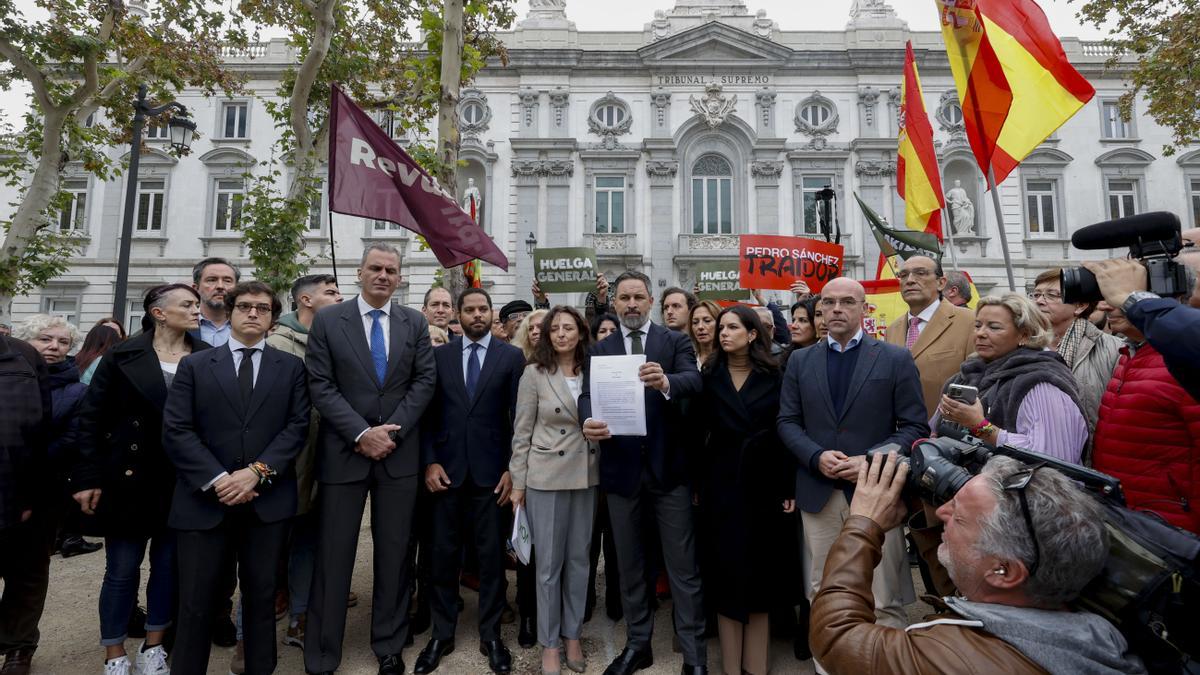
(1020, 543)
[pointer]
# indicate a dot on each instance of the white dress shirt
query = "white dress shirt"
(364, 310)
(925, 316)
(837, 346)
(255, 361)
(484, 342)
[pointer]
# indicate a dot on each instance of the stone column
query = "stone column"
(662, 231)
(526, 183)
(766, 175)
(868, 120)
(560, 101)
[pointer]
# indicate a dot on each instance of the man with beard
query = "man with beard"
(213, 278)
(648, 474)
(466, 442)
(438, 307)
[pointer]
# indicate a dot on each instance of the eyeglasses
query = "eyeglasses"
(1051, 296)
(917, 273)
(1017, 483)
(245, 307)
(844, 302)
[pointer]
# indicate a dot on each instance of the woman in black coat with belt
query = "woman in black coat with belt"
(125, 477)
(744, 486)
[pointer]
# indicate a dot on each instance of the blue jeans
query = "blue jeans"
(122, 579)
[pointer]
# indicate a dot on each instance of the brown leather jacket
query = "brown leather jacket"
(845, 639)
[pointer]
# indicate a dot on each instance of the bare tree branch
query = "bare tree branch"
(36, 78)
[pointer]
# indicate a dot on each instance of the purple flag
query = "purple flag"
(372, 177)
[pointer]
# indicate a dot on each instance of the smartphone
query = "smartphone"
(963, 393)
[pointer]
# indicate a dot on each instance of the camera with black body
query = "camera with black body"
(1154, 239)
(1150, 585)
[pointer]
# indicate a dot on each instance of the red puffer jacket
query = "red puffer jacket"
(1148, 436)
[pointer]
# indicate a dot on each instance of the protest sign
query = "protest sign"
(565, 270)
(719, 281)
(773, 261)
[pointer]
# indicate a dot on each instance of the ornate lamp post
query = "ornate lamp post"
(181, 130)
(530, 243)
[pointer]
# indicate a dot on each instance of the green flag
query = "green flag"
(902, 242)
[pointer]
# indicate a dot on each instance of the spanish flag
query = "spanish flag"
(917, 179)
(1014, 81)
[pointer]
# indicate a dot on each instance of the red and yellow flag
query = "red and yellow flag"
(1014, 81)
(917, 178)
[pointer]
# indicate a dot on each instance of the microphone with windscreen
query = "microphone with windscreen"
(1154, 239)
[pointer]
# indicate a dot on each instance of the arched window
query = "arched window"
(954, 113)
(815, 114)
(472, 113)
(712, 196)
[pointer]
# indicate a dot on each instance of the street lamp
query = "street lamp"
(830, 227)
(530, 243)
(181, 130)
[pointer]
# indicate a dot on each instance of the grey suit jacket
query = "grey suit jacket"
(349, 397)
(883, 405)
(543, 456)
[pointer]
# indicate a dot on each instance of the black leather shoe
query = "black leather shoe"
(527, 635)
(694, 670)
(630, 662)
(431, 656)
(391, 664)
(76, 545)
(499, 658)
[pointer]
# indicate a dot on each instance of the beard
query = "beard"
(470, 332)
(633, 321)
(213, 303)
(955, 568)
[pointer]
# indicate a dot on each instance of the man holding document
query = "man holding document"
(632, 384)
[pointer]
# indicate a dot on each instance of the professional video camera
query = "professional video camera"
(1154, 239)
(1150, 585)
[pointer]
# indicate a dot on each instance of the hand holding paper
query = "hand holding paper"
(618, 390)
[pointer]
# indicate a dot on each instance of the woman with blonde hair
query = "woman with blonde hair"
(529, 332)
(1027, 394)
(702, 329)
(438, 336)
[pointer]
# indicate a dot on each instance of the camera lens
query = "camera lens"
(1079, 285)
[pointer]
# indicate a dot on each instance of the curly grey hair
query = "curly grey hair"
(32, 326)
(1069, 524)
(1028, 318)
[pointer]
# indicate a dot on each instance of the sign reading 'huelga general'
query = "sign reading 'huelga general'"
(719, 280)
(565, 270)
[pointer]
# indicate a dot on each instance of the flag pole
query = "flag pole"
(991, 179)
(950, 240)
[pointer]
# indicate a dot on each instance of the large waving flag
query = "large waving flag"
(1013, 78)
(917, 178)
(372, 177)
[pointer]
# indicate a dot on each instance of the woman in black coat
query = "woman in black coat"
(125, 477)
(744, 486)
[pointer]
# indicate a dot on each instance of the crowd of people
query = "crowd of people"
(236, 447)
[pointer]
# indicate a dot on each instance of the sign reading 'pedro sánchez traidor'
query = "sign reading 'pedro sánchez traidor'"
(565, 270)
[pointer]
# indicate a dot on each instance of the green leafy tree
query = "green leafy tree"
(83, 63)
(1160, 36)
(366, 47)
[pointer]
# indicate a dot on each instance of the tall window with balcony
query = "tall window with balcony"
(610, 204)
(234, 117)
(1122, 198)
(810, 186)
(1041, 208)
(150, 198)
(227, 206)
(73, 217)
(712, 196)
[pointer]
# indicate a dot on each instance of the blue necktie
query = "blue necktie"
(378, 345)
(473, 369)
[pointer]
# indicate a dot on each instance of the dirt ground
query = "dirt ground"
(70, 631)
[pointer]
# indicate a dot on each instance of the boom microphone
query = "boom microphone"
(1131, 231)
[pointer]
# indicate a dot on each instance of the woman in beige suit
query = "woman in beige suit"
(554, 473)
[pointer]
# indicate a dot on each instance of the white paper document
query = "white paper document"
(521, 541)
(618, 394)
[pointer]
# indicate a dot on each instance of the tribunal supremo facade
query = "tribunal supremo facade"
(658, 148)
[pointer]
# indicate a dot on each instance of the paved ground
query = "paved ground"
(70, 632)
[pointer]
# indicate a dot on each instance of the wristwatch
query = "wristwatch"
(1134, 298)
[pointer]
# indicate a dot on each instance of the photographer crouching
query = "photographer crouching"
(1020, 543)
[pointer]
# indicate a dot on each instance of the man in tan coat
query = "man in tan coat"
(939, 335)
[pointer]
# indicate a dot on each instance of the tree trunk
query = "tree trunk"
(304, 155)
(451, 78)
(30, 216)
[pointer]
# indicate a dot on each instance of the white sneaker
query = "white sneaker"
(153, 661)
(118, 666)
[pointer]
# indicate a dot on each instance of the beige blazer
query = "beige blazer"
(549, 451)
(940, 351)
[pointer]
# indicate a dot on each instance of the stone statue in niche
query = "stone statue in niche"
(962, 211)
(471, 195)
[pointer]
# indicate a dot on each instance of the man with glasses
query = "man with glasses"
(1020, 543)
(939, 335)
(842, 397)
(234, 422)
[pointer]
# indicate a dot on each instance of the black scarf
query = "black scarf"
(1004, 382)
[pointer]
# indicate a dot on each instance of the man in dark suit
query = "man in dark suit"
(234, 421)
(371, 375)
(649, 474)
(844, 396)
(465, 447)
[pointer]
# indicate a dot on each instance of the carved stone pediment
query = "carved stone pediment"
(714, 107)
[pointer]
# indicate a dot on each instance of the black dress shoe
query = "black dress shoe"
(391, 665)
(630, 662)
(527, 635)
(74, 545)
(499, 658)
(431, 656)
(694, 670)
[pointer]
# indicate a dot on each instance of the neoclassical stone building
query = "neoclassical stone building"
(658, 147)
